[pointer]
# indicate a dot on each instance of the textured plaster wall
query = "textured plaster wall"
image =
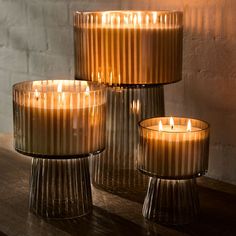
(208, 88)
(36, 42)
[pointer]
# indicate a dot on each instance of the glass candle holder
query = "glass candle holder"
(137, 51)
(128, 47)
(173, 151)
(59, 123)
(115, 170)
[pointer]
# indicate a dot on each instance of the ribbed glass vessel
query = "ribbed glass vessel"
(115, 169)
(128, 47)
(60, 188)
(59, 123)
(174, 153)
(59, 117)
(171, 202)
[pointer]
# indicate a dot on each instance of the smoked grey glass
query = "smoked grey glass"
(59, 123)
(134, 53)
(173, 160)
(128, 47)
(115, 170)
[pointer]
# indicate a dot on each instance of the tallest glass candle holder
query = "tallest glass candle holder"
(134, 53)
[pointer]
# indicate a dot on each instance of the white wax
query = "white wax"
(175, 129)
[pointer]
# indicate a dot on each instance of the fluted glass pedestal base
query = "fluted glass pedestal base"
(172, 202)
(60, 188)
(115, 169)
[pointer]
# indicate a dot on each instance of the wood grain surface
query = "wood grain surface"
(112, 215)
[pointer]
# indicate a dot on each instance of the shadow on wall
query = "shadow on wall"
(207, 90)
(209, 79)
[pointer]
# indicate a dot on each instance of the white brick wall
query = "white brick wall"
(208, 88)
(13, 59)
(36, 43)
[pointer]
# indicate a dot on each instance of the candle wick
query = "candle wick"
(172, 126)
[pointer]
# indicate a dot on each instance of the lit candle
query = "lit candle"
(59, 117)
(128, 47)
(173, 147)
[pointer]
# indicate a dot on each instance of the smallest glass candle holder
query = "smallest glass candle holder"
(59, 123)
(173, 151)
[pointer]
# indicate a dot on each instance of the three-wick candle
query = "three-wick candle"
(173, 147)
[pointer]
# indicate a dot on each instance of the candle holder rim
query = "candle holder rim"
(59, 157)
(173, 177)
(178, 117)
(134, 85)
(128, 11)
(96, 86)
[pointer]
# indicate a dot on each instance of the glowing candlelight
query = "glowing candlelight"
(67, 118)
(189, 126)
(36, 93)
(160, 126)
(59, 87)
(171, 122)
(173, 151)
(173, 146)
(103, 44)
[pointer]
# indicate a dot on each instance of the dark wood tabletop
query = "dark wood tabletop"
(112, 214)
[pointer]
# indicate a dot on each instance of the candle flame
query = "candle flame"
(104, 19)
(36, 94)
(126, 19)
(112, 20)
(165, 19)
(135, 19)
(59, 87)
(161, 19)
(189, 126)
(87, 91)
(154, 17)
(139, 18)
(147, 19)
(118, 20)
(160, 126)
(172, 123)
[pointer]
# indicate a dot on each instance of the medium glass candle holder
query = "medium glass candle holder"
(128, 47)
(115, 170)
(173, 152)
(59, 123)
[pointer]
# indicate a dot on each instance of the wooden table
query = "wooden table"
(112, 215)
